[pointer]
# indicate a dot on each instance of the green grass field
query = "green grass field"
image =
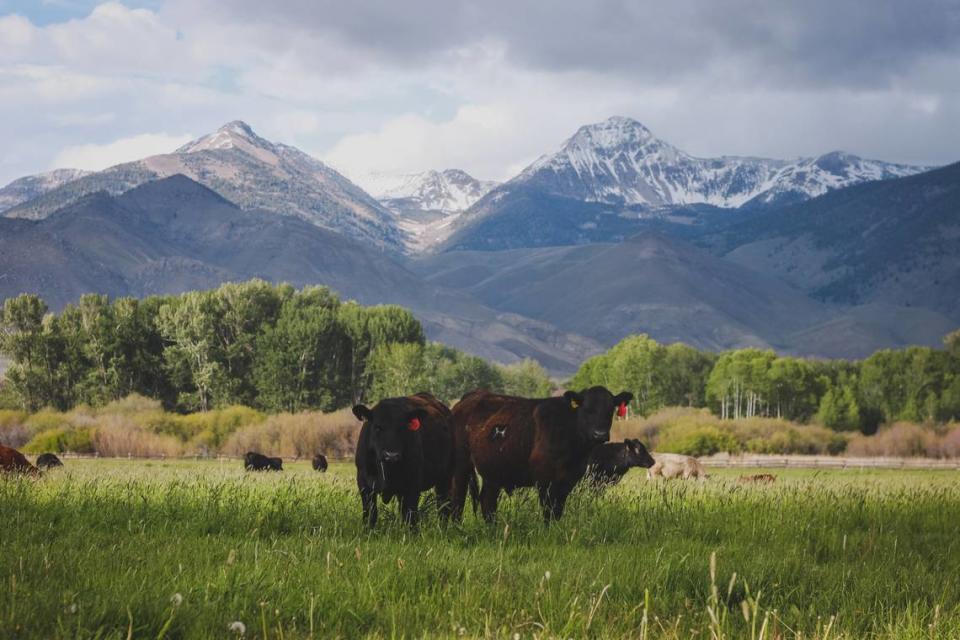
(183, 549)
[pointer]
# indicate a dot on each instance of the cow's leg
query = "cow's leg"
(488, 500)
(459, 487)
(553, 498)
(409, 505)
(369, 499)
(444, 506)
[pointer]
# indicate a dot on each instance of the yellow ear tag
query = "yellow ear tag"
(573, 404)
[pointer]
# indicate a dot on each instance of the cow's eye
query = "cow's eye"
(378, 427)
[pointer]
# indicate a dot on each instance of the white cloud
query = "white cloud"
(95, 157)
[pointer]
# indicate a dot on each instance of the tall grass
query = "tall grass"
(116, 549)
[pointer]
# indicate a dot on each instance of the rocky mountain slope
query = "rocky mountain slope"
(892, 242)
(251, 172)
(657, 284)
(30, 187)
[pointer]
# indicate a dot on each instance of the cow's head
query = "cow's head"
(637, 454)
(393, 423)
(595, 408)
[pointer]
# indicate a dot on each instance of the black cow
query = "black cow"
(405, 447)
(48, 461)
(258, 462)
(610, 462)
(529, 442)
(320, 462)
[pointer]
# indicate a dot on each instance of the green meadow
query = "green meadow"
(200, 549)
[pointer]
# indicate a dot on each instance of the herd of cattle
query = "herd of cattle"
(487, 444)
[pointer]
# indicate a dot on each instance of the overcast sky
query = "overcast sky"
(486, 85)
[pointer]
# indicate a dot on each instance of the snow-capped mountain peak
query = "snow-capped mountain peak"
(449, 191)
(233, 135)
(427, 204)
(620, 161)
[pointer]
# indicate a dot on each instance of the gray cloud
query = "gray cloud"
(488, 86)
(851, 43)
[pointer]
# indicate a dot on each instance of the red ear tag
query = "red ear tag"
(414, 424)
(622, 410)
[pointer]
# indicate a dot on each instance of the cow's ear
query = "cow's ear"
(624, 397)
(574, 399)
(362, 412)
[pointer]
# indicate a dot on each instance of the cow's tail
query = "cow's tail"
(474, 485)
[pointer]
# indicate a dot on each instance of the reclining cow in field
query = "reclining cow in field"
(258, 462)
(521, 442)
(758, 478)
(611, 461)
(12, 461)
(405, 447)
(47, 461)
(675, 465)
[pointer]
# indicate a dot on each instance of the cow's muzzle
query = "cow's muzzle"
(600, 436)
(390, 456)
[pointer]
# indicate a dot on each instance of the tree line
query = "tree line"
(916, 384)
(267, 346)
(280, 349)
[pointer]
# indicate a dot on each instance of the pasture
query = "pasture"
(185, 549)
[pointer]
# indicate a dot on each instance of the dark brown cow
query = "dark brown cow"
(521, 442)
(405, 447)
(12, 461)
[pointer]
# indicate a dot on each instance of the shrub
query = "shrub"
(950, 442)
(13, 428)
(132, 404)
(46, 420)
(695, 431)
(61, 439)
(298, 435)
(206, 432)
(902, 439)
(697, 440)
(120, 436)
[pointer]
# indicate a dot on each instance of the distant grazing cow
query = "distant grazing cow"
(758, 478)
(258, 462)
(674, 465)
(405, 447)
(320, 462)
(47, 461)
(609, 462)
(12, 461)
(521, 442)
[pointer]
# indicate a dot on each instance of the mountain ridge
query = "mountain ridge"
(251, 172)
(174, 235)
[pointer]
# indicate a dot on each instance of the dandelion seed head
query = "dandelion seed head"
(176, 599)
(237, 627)
(546, 575)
